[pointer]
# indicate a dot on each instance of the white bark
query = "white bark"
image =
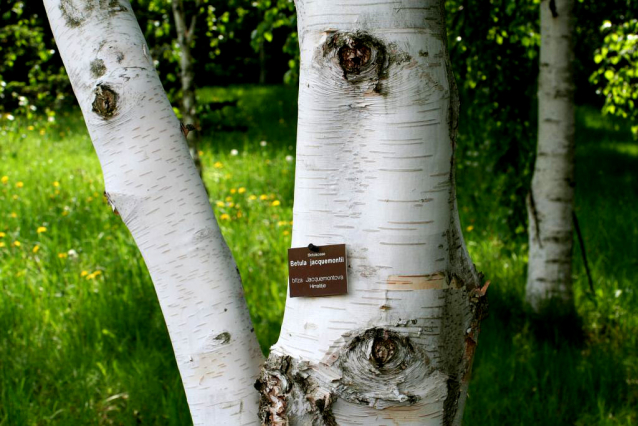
(377, 123)
(151, 180)
(551, 200)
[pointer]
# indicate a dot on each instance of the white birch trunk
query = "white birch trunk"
(151, 181)
(551, 200)
(376, 135)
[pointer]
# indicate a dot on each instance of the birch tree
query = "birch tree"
(551, 199)
(152, 183)
(375, 149)
(375, 170)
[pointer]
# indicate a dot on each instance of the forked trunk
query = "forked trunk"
(152, 183)
(551, 201)
(375, 170)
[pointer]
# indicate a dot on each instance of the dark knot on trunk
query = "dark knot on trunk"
(105, 102)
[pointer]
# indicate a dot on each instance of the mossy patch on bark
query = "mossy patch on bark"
(98, 69)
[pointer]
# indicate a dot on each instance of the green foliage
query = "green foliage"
(279, 14)
(618, 70)
(32, 81)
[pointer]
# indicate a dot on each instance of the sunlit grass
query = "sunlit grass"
(82, 338)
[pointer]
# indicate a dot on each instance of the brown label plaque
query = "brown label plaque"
(318, 271)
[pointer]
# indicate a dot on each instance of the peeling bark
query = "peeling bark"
(551, 200)
(378, 112)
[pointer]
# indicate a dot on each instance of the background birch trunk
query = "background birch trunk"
(551, 200)
(376, 134)
(152, 183)
(185, 38)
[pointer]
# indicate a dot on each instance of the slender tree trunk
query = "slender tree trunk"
(185, 38)
(551, 200)
(152, 183)
(376, 135)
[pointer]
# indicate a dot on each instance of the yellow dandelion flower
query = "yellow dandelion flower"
(19, 184)
(252, 197)
(89, 199)
(2, 234)
(218, 165)
(275, 203)
(63, 255)
(241, 190)
(96, 273)
(263, 197)
(239, 213)
(90, 277)
(2, 244)
(282, 223)
(15, 197)
(231, 204)
(225, 216)
(229, 198)
(17, 243)
(36, 248)
(14, 215)
(4, 179)
(200, 153)
(286, 233)
(56, 183)
(41, 229)
(220, 204)
(42, 132)
(30, 127)
(84, 273)
(233, 190)
(469, 228)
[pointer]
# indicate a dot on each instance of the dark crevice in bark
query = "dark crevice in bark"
(111, 203)
(106, 101)
(360, 56)
(552, 8)
(531, 206)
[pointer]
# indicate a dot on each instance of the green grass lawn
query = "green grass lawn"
(82, 339)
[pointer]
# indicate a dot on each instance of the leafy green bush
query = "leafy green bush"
(617, 74)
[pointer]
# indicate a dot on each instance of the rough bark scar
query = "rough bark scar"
(111, 203)
(552, 7)
(106, 101)
(353, 57)
(383, 349)
(361, 57)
